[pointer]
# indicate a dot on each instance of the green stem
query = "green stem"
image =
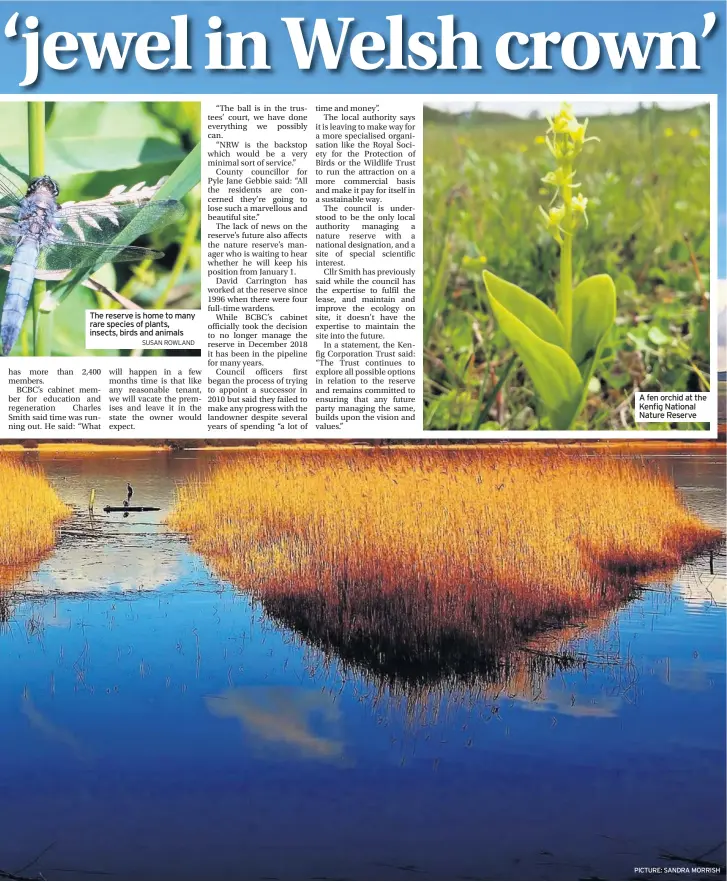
(182, 258)
(565, 306)
(42, 321)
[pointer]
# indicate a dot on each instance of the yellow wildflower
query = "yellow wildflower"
(559, 178)
(552, 219)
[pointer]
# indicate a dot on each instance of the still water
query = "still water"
(157, 725)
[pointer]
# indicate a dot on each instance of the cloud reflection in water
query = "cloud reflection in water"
(283, 717)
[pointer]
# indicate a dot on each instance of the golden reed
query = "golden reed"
(424, 551)
(31, 512)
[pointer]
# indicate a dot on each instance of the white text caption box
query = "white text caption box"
(150, 329)
(673, 407)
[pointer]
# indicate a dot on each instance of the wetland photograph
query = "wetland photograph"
(363, 661)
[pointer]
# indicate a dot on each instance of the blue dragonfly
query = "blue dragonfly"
(40, 238)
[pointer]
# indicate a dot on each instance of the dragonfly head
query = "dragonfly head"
(43, 183)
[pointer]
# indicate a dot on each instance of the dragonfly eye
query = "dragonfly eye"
(44, 182)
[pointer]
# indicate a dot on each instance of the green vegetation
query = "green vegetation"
(488, 180)
(90, 148)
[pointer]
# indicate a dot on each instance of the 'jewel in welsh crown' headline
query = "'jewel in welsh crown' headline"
(335, 43)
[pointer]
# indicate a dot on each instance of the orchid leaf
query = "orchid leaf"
(553, 372)
(541, 320)
(594, 311)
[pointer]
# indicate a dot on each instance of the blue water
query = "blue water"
(156, 725)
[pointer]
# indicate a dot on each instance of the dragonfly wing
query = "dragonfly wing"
(137, 195)
(10, 194)
(7, 252)
(8, 237)
(87, 233)
(101, 221)
(69, 253)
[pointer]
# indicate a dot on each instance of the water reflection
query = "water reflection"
(164, 725)
(49, 729)
(419, 653)
(281, 716)
(96, 550)
(703, 587)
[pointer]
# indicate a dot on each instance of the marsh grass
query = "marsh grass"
(411, 559)
(31, 512)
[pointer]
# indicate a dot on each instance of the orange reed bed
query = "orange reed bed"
(30, 514)
(423, 554)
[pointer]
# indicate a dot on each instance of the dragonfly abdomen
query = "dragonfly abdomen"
(17, 293)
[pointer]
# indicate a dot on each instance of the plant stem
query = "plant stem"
(182, 258)
(482, 407)
(565, 306)
(42, 321)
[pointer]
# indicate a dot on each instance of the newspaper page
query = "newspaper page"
(362, 440)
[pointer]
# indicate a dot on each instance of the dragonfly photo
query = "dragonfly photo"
(40, 236)
(83, 225)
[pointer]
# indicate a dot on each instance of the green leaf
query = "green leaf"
(184, 116)
(458, 332)
(541, 320)
(617, 381)
(658, 337)
(91, 136)
(594, 311)
(182, 295)
(699, 327)
(625, 284)
(185, 177)
(553, 372)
